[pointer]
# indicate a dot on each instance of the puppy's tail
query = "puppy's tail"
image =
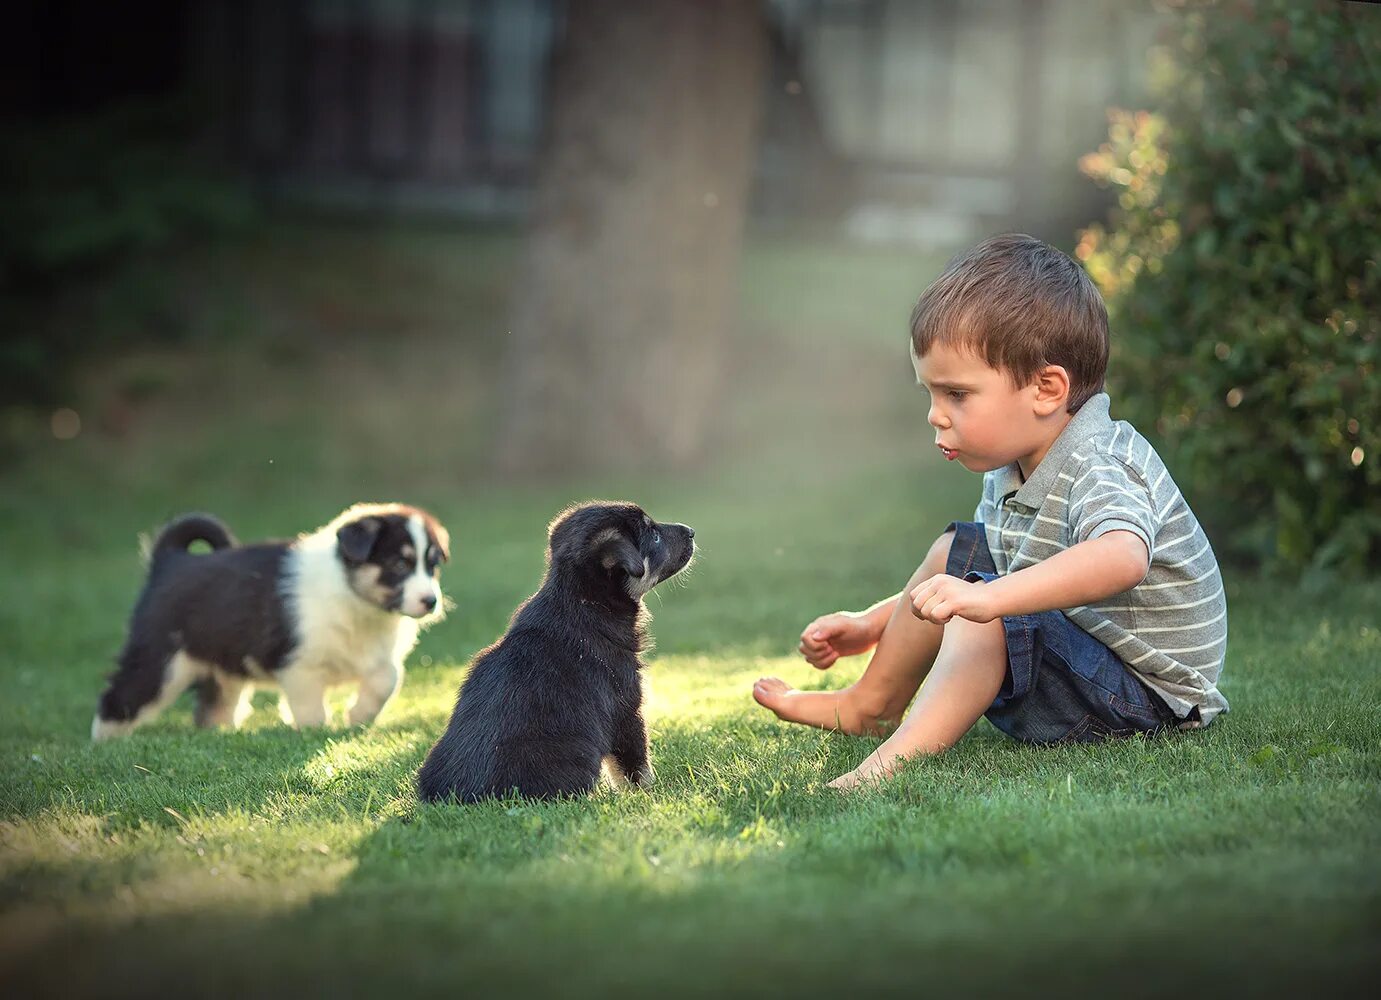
(177, 535)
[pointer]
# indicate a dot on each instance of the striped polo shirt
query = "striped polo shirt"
(1100, 475)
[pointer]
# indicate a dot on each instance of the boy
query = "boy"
(1085, 601)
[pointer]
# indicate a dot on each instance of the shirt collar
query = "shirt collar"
(1090, 420)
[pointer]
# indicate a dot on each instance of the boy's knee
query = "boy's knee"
(963, 637)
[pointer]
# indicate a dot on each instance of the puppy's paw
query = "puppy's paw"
(108, 729)
(611, 775)
(645, 776)
(356, 715)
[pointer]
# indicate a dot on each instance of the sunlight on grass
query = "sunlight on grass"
(696, 689)
(295, 862)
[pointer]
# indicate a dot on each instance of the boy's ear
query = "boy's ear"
(1052, 390)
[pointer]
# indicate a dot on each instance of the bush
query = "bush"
(94, 201)
(1241, 269)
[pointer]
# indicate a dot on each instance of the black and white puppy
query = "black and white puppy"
(559, 696)
(340, 605)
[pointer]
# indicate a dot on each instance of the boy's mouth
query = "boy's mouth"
(950, 453)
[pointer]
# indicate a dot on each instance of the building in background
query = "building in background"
(953, 116)
(921, 121)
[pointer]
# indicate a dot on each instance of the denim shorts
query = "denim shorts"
(1062, 684)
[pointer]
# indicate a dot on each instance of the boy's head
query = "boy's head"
(1019, 304)
(1017, 315)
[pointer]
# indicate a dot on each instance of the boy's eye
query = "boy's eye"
(958, 395)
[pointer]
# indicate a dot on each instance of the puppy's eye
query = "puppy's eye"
(401, 565)
(656, 538)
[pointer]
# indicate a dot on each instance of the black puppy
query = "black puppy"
(559, 695)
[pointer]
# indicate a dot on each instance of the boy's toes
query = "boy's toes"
(769, 692)
(845, 782)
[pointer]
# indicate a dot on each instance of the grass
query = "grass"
(1240, 859)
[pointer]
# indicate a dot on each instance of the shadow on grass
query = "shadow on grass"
(738, 874)
(1058, 869)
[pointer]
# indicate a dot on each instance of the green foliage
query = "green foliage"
(1242, 270)
(95, 202)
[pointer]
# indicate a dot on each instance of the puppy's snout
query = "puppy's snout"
(684, 550)
(428, 602)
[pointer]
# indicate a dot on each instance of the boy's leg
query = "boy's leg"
(873, 704)
(965, 680)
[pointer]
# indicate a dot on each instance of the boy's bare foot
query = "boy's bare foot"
(846, 782)
(824, 709)
(879, 765)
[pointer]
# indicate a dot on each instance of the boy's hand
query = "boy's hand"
(944, 597)
(843, 633)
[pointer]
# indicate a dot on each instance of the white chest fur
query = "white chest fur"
(340, 636)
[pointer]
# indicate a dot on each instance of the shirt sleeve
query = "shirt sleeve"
(1108, 496)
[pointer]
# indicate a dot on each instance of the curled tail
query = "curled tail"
(177, 535)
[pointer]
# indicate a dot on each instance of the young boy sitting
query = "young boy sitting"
(1084, 600)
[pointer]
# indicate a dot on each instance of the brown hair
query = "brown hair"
(1020, 305)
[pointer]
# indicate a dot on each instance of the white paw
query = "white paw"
(108, 729)
(354, 718)
(611, 774)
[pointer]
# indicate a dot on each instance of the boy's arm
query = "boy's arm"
(845, 633)
(1082, 574)
(881, 613)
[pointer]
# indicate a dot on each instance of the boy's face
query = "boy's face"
(981, 420)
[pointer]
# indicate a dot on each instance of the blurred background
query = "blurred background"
(267, 258)
(272, 258)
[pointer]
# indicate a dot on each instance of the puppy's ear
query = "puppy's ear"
(357, 538)
(442, 539)
(617, 552)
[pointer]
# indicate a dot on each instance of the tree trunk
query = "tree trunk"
(620, 319)
(1031, 214)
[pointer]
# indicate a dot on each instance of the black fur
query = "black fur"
(220, 607)
(178, 535)
(560, 691)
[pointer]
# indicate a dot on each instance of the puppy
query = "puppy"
(560, 695)
(340, 605)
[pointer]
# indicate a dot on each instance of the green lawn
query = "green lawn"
(1240, 859)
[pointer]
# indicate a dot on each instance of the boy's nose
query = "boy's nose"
(936, 418)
